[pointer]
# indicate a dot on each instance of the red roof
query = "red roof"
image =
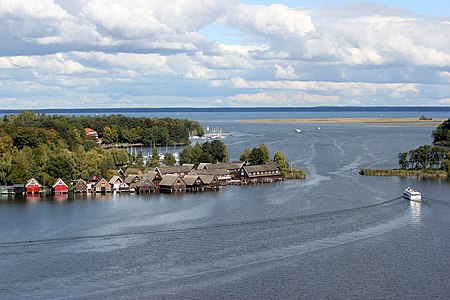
(90, 131)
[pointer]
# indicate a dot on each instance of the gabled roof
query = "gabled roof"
(131, 171)
(59, 182)
(151, 175)
(188, 165)
(173, 169)
(218, 172)
(80, 181)
(123, 185)
(144, 181)
(32, 181)
(267, 167)
(169, 179)
(190, 179)
(207, 179)
(131, 178)
(93, 178)
(114, 179)
(202, 166)
(100, 181)
(226, 166)
(90, 131)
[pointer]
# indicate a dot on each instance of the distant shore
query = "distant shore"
(380, 121)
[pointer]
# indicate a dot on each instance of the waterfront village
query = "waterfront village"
(184, 178)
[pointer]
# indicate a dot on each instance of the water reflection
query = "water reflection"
(415, 207)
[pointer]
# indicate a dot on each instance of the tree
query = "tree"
(257, 156)
(245, 155)
(442, 134)
(110, 135)
(61, 165)
(20, 167)
(169, 159)
(217, 151)
(281, 160)
(265, 151)
(155, 158)
(403, 160)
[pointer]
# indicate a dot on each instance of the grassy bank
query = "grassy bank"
(293, 174)
(403, 173)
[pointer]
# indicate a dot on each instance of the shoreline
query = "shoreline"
(379, 121)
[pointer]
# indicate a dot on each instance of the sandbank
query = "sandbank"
(380, 121)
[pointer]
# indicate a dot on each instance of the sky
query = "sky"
(223, 53)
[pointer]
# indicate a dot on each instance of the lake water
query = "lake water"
(335, 235)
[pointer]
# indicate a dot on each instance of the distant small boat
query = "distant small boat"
(412, 194)
(318, 128)
(297, 130)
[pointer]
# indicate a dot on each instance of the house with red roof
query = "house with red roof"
(60, 187)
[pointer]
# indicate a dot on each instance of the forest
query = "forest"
(442, 134)
(48, 147)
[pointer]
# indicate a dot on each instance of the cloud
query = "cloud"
(151, 53)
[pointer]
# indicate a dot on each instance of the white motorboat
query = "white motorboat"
(297, 130)
(412, 194)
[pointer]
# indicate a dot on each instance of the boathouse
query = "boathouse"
(193, 183)
(123, 188)
(80, 187)
(145, 185)
(222, 175)
(132, 180)
(210, 181)
(115, 182)
(268, 172)
(154, 177)
(172, 183)
(7, 190)
(19, 189)
(60, 187)
(233, 168)
(102, 186)
(33, 187)
(92, 180)
(178, 170)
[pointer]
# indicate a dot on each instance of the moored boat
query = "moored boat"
(297, 130)
(412, 194)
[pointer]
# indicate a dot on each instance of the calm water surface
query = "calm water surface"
(335, 235)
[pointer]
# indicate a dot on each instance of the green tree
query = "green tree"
(245, 155)
(61, 165)
(403, 160)
(257, 156)
(216, 151)
(155, 158)
(265, 150)
(281, 160)
(169, 159)
(21, 167)
(442, 134)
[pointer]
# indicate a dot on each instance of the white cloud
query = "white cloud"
(285, 73)
(91, 49)
(445, 101)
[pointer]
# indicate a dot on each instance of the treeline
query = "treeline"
(442, 134)
(48, 147)
(399, 172)
(207, 152)
(425, 157)
(29, 128)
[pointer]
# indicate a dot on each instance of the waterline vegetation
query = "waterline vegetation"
(426, 161)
